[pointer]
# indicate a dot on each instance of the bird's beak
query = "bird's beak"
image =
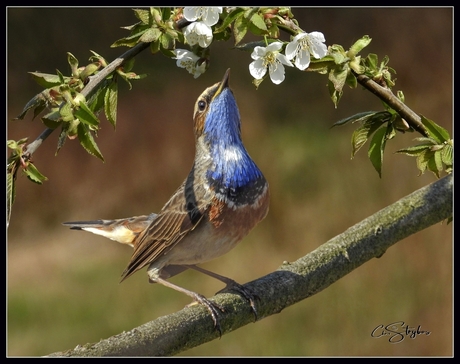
(223, 84)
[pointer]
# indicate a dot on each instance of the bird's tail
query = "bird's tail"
(121, 230)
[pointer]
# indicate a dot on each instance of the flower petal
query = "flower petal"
(276, 73)
(257, 69)
(202, 29)
(299, 36)
(318, 48)
(258, 52)
(317, 36)
(211, 16)
(302, 63)
(283, 59)
(273, 47)
(291, 49)
(192, 13)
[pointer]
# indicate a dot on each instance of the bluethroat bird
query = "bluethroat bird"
(224, 196)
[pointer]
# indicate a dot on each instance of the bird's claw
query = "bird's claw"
(248, 294)
(213, 309)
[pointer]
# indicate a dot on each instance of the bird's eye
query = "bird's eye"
(201, 105)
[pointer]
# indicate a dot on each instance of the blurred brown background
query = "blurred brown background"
(63, 286)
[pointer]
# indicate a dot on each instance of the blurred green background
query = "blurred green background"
(62, 285)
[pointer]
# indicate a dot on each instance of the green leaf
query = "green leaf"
(52, 120)
(422, 161)
(73, 62)
(338, 54)
(62, 78)
(337, 79)
(87, 141)
(363, 133)
(85, 115)
(150, 35)
(166, 13)
(154, 47)
(33, 174)
(127, 42)
(131, 40)
(426, 141)
(437, 132)
(62, 136)
(98, 57)
(38, 102)
(447, 155)
(47, 80)
(376, 148)
(167, 52)
(257, 83)
(362, 116)
(432, 165)
(249, 47)
(230, 18)
(258, 22)
(438, 163)
(66, 112)
(274, 31)
(167, 41)
(321, 65)
(240, 29)
(415, 150)
(351, 80)
(359, 45)
(372, 61)
(13, 144)
(391, 131)
(128, 64)
(335, 95)
(143, 15)
(10, 195)
(96, 100)
(110, 102)
(89, 70)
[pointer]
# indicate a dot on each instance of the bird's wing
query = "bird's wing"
(181, 214)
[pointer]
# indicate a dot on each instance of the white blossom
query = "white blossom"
(208, 15)
(188, 60)
(305, 44)
(200, 32)
(271, 58)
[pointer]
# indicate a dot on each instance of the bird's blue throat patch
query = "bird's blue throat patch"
(234, 171)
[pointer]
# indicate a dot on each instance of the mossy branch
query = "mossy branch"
(289, 284)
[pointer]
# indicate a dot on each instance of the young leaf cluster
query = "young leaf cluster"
(435, 152)
(157, 27)
(68, 108)
(16, 161)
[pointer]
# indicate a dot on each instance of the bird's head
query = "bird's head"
(216, 114)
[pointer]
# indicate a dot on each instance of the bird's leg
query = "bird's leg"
(212, 307)
(231, 285)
